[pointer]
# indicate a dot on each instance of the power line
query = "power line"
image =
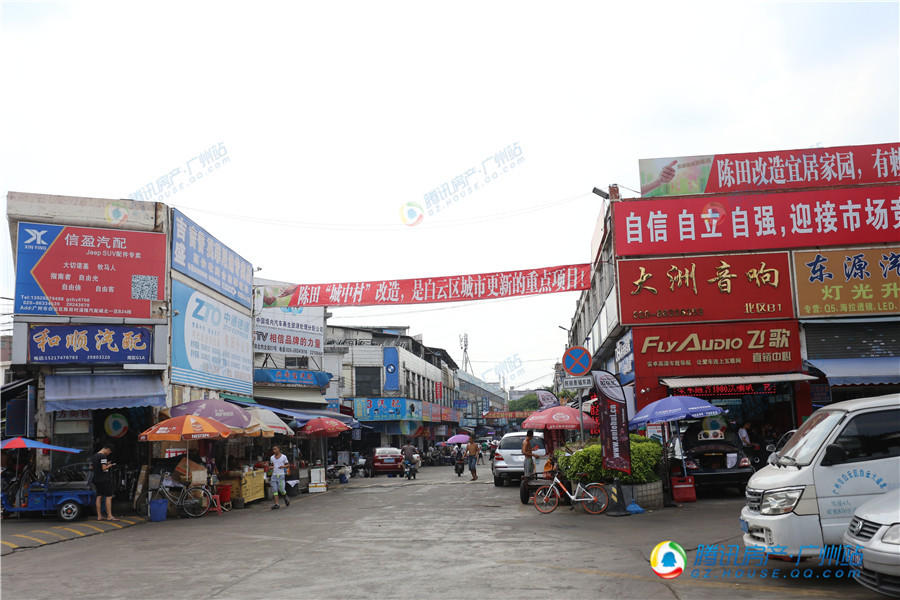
(524, 361)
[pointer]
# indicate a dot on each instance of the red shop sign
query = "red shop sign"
(720, 287)
(749, 222)
(707, 349)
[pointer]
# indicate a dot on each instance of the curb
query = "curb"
(45, 534)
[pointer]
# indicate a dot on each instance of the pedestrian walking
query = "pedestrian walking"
(481, 454)
(472, 451)
(528, 451)
(102, 479)
(276, 479)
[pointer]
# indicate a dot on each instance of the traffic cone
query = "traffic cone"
(616, 506)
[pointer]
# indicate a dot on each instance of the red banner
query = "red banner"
(808, 219)
(456, 288)
(509, 414)
(732, 348)
(720, 287)
(766, 171)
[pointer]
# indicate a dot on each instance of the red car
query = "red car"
(388, 460)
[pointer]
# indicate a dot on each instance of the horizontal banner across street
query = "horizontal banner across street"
(746, 222)
(719, 287)
(457, 288)
(767, 171)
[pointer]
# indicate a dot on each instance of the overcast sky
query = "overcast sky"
(335, 115)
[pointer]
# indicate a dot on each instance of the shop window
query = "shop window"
(300, 362)
(872, 436)
(368, 381)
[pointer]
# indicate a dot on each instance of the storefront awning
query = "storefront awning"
(291, 394)
(236, 398)
(91, 392)
(680, 382)
(859, 371)
(14, 388)
(305, 415)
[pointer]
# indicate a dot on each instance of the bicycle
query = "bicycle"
(193, 500)
(593, 496)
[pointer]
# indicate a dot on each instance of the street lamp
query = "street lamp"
(600, 193)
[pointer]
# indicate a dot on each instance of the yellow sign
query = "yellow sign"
(847, 282)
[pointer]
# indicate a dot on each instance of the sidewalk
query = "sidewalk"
(20, 534)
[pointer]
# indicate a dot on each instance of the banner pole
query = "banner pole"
(581, 417)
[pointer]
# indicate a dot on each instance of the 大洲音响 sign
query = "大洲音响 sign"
(720, 287)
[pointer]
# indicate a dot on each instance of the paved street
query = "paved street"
(440, 536)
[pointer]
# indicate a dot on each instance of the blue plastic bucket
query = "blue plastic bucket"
(158, 509)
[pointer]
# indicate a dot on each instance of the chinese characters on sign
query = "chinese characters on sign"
(289, 331)
(85, 271)
(761, 347)
(202, 257)
(728, 389)
(855, 281)
(816, 218)
(761, 171)
(705, 288)
(89, 344)
(212, 344)
(434, 289)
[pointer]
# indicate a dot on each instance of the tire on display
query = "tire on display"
(524, 491)
(197, 502)
(602, 499)
(69, 511)
(546, 499)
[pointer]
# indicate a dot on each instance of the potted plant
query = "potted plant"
(642, 484)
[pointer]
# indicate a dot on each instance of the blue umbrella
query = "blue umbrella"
(673, 408)
(20, 442)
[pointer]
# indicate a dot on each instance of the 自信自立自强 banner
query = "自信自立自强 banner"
(754, 222)
(770, 171)
(425, 290)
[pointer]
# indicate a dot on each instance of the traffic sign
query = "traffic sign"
(577, 361)
(577, 383)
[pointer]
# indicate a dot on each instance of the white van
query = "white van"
(843, 455)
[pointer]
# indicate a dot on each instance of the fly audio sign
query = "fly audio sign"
(720, 287)
(848, 282)
(706, 349)
(751, 222)
(85, 271)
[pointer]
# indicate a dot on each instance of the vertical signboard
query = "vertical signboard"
(202, 257)
(610, 410)
(212, 345)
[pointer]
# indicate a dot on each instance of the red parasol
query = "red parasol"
(558, 417)
(323, 427)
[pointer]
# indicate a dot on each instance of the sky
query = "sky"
(334, 116)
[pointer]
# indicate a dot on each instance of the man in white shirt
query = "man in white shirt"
(279, 464)
(744, 434)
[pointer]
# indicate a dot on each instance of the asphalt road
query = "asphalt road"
(437, 537)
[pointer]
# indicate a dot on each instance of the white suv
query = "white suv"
(509, 462)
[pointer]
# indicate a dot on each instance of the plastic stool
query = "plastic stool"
(216, 505)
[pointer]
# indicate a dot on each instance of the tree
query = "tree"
(526, 402)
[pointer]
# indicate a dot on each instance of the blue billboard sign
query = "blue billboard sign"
(292, 376)
(391, 369)
(110, 344)
(200, 256)
(387, 409)
(212, 344)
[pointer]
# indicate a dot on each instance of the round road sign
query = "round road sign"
(577, 361)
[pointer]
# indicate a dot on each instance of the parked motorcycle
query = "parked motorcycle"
(409, 469)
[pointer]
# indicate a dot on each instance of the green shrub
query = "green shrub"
(645, 457)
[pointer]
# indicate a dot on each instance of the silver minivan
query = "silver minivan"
(509, 462)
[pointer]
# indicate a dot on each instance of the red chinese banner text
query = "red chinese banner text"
(721, 287)
(457, 288)
(836, 217)
(766, 171)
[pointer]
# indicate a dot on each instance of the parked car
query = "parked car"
(509, 462)
(714, 458)
(875, 527)
(388, 460)
(842, 456)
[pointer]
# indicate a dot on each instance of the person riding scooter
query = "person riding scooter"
(410, 462)
(459, 464)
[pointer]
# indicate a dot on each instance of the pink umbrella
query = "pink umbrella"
(235, 417)
(558, 417)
